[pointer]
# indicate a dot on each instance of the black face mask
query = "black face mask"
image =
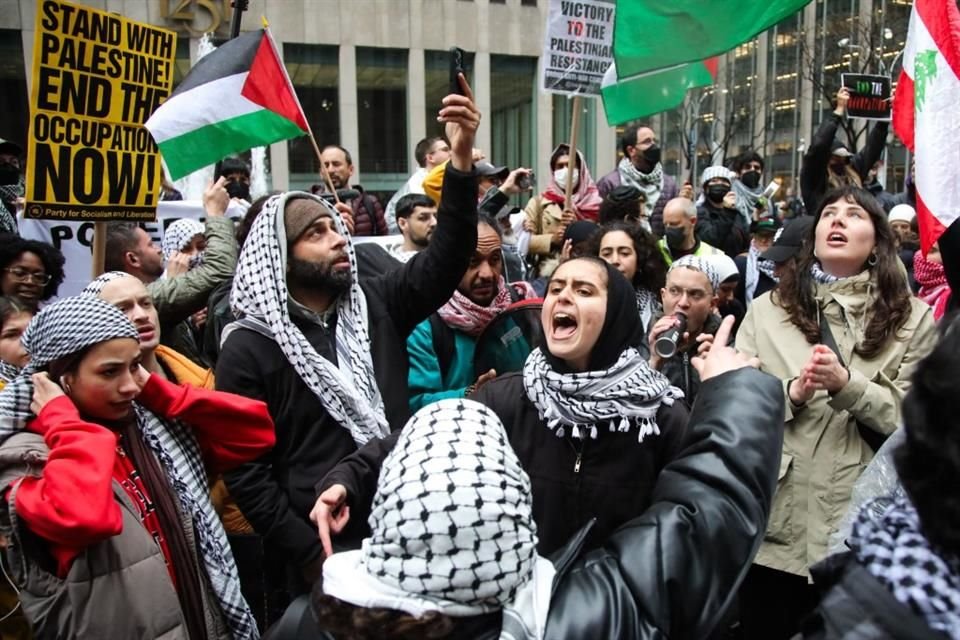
(9, 173)
(751, 179)
(651, 155)
(715, 192)
(238, 190)
(675, 237)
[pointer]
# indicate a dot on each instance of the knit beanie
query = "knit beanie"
(299, 214)
(716, 171)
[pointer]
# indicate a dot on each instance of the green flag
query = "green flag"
(654, 34)
(626, 99)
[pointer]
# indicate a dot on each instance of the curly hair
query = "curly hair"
(651, 269)
(350, 622)
(12, 246)
(891, 308)
(929, 459)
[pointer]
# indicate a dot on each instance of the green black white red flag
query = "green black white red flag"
(235, 98)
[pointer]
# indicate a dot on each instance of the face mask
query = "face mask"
(751, 179)
(675, 237)
(238, 190)
(9, 173)
(652, 155)
(715, 192)
(560, 177)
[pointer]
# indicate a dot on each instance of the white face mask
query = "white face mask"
(560, 177)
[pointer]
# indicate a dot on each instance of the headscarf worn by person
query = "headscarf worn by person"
(585, 197)
(178, 236)
(348, 390)
(618, 388)
(452, 527)
(72, 324)
(95, 288)
(703, 265)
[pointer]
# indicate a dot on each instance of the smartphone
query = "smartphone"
(527, 181)
(771, 189)
(456, 68)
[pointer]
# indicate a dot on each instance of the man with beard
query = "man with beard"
(11, 185)
(417, 218)
(327, 352)
(640, 167)
(368, 218)
(442, 347)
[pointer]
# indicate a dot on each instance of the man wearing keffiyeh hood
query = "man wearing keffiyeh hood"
(328, 352)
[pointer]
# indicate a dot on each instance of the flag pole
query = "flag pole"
(323, 168)
(572, 162)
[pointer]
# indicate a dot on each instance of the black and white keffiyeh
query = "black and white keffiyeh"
(71, 324)
(627, 394)
(8, 216)
(8, 371)
(648, 305)
(894, 550)
(755, 266)
(650, 183)
(452, 527)
(697, 263)
(178, 235)
(97, 284)
(260, 298)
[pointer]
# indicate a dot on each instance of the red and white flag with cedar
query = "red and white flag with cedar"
(926, 113)
(236, 98)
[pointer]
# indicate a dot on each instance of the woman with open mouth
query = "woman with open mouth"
(844, 334)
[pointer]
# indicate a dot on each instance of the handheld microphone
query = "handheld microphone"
(666, 344)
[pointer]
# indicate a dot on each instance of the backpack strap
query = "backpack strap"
(443, 343)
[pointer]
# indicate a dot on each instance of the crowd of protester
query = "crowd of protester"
(640, 411)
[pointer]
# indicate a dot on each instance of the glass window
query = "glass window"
(314, 72)
(14, 103)
(382, 117)
(513, 81)
(586, 135)
(437, 84)
(181, 63)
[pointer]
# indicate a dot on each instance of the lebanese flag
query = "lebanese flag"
(235, 98)
(645, 94)
(925, 114)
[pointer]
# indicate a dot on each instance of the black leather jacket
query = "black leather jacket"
(673, 571)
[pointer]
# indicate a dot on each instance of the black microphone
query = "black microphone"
(666, 344)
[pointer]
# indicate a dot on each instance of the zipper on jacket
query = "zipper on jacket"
(579, 461)
(576, 465)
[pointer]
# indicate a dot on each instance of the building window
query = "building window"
(314, 72)
(513, 80)
(528, 3)
(437, 85)
(382, 117)
(13, 88)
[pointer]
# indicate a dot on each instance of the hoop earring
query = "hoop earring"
(873, 259)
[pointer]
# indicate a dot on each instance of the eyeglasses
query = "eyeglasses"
(23, 275)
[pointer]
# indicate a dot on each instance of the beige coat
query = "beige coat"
(823, 453)
(545, 217)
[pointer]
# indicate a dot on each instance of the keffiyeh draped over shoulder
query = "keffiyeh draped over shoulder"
(72, 324)
(452, 527)
(260, 297)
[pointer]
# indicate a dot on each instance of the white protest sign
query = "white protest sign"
(577, 46)
(75, 239)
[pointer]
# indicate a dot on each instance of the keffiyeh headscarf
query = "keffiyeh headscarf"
(703, 265)
(463, 314)
(97, 284)
(618, 389)
(72, 324)
(178, 235)
(452, 527)
(585, 197)
(894, 550)
(650, 183)
(755, 266)
(8, 216)
(260, 298)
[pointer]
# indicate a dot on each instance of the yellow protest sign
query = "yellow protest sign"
(97, 77)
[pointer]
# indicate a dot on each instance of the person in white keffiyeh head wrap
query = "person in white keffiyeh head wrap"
(184, 236)
(326, 349)
(452, 535)
(107, 475)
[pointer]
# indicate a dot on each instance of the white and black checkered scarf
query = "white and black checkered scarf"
(452, 527)
(260, 297)
(8, 216)
(894, 550)
(72, 324)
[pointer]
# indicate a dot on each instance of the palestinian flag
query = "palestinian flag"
(235, 98)
(925, 113)
(626, 99)
(657, 34)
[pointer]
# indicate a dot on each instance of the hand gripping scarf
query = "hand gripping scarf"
(178, 235)
(462, 314)
(893, 549)
(74, 323)
(451, 527)
(619, 388)
(348, 390)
